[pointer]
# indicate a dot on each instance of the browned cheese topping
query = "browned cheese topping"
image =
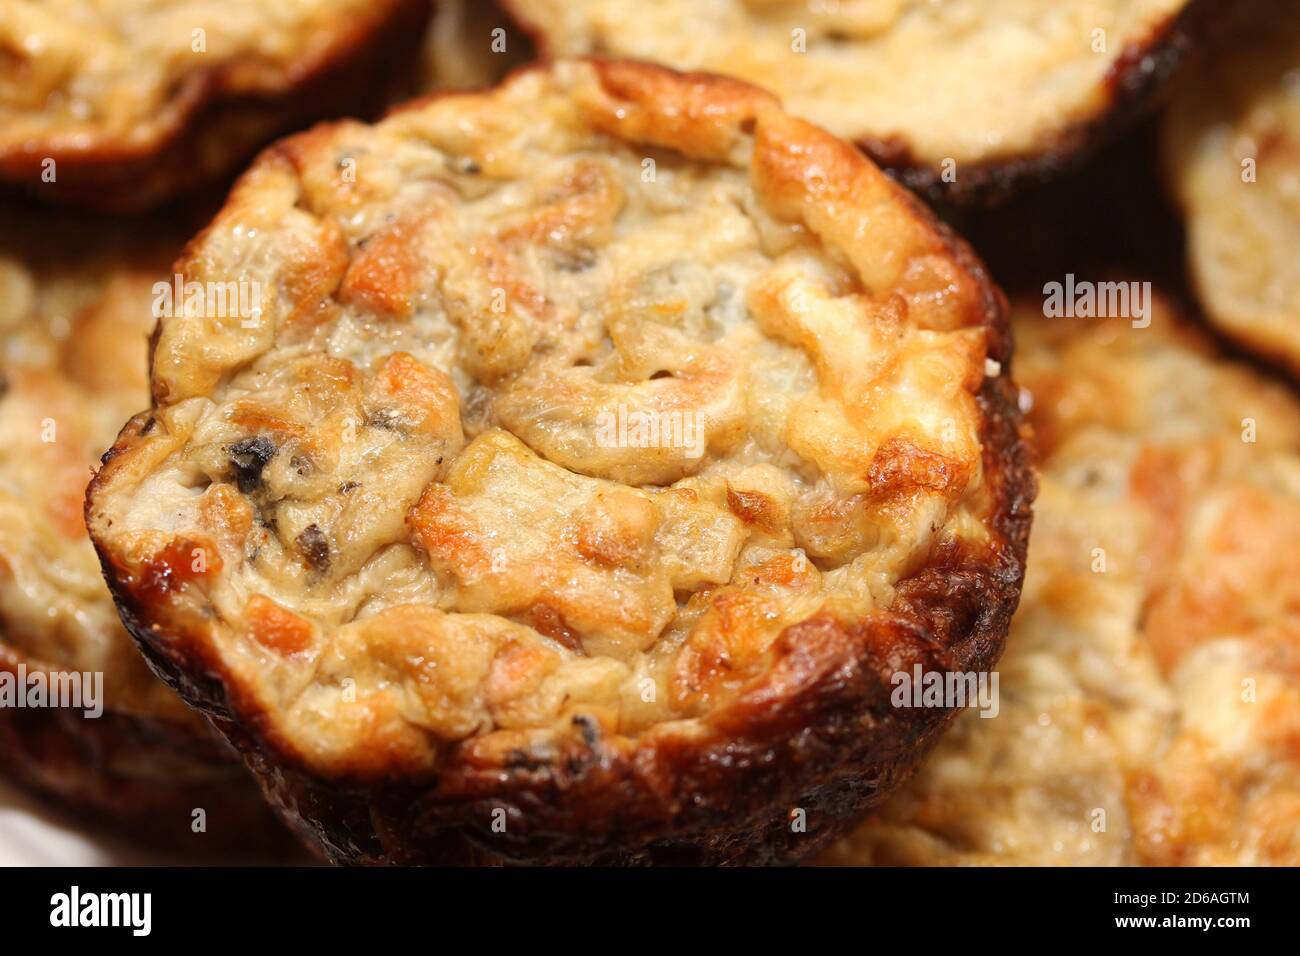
(563, 399)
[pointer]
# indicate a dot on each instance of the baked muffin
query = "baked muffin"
(122, 749)
(604, 445)
(965, 97)
(1232, 152)
(1149, 696)
(120, 104)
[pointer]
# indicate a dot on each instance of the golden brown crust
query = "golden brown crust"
(1148, 697)
(202, 122)
(517, 595)
(910, 82)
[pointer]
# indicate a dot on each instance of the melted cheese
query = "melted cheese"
(415, 448)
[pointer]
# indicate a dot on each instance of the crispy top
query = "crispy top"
(1150, 708)
(73, 343)
(962, 80)
(568, 397)
(1232, 148)
(82, 76)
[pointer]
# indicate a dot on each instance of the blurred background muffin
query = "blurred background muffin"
(1231, 153)
(967, 99)
(1149, 708)
(76, 311)
(122, 104)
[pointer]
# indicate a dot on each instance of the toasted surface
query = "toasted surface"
(1149, 701)
(445, 569)
(1232, 152)
(73, 346)
(134, 100)
(1002, 89)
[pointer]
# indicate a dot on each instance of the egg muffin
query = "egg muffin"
(1232, 155)
(600, 449)
(967, 99)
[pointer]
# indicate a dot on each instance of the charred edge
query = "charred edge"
(1143, 68)
(727, 801)
(969, 599)
(721, 800)
(833, 748)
